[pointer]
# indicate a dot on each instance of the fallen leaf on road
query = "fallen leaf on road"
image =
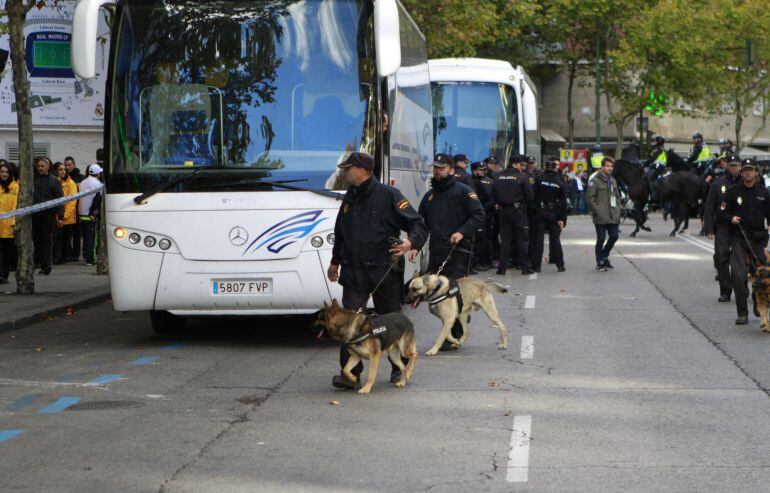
(69, 311)
(335, 403)
(507, 413)
(39, 350)
(562, 290)
(493, 384)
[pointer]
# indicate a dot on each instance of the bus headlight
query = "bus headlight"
(134, 238)
(119, 233)
(164, 244)
(149, 241)
(330, 238)
(317, 241)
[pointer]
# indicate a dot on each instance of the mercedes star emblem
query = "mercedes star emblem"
(238, 236)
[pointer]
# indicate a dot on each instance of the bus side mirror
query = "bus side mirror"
(84, 29)
(387, 37)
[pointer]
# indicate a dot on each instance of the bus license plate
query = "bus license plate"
(242, 286)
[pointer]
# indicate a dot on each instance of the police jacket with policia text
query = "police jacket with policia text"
(511, 189)
(550, 197)
(752, 205)
(599, 199)
(715, 212)
(370, 214)
(450, 207)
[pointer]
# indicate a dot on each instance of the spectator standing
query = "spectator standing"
(578, 191)
(63, 247)
(88, 213)
(46, 187)
(603, 198)
(74, 172)
(9, 192)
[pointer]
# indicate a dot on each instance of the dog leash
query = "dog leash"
(438, 272)
(748, 243)
(392, 264)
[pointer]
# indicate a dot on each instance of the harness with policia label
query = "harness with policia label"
(453, 292)
(387, 333)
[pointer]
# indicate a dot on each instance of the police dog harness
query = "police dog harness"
(453, 292)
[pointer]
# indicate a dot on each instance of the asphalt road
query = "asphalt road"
(632, 380)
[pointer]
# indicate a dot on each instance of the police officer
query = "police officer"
(748, 207)
(596, 158)
(725, 147)
(368, 225)
(658, 160)
(717, 224)
(461, 171)
(532, 173)
(550, 216)
(700, 153)
(513, 196)
(483, 251)
(453, 213)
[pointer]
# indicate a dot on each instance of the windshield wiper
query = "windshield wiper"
(280, 184)
(139, 199)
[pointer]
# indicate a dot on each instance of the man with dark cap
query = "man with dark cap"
(493, 218)
(453, 213)
(483, 251)
(367, 247)
(748, 207)
(513, 196)
(532, 173)
(461, 171)
(717, 225)
(550, 216)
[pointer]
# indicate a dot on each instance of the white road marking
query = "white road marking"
(518, 456)
(533, 277)
(530, 302)
(527, 347)
(700, 244)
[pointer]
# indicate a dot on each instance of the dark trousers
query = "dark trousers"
(493, 235)
(739, 257)
(513, 227)
(63, 244)
(42, 236)
(76, 242)
(722, 259)
(603, 231)
(7, 248)
(543, 226)
(88, 234)
(387, 299)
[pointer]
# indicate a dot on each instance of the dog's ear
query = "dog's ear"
(334, 303)
(325, 305)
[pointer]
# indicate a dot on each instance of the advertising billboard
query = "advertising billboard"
(57, 96)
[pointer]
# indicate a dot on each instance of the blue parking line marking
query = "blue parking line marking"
(144, 360)
(174, 347)
(6, 435)
(70, 377)
(104, 379)
(23, 402)
(60, 405)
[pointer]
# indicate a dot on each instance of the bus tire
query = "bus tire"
(164, 322)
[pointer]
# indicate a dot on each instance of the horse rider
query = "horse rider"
(748, 207)
(725, 147)
(717, 224)
(699, 154)
(513, 196)
(596, 159)
(550, 216)
(658, 161)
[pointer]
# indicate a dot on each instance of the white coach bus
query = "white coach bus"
(224, 125)
(484, 108)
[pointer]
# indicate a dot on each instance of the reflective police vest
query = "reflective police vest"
(662, 158)
(596, 160)
(704, 155)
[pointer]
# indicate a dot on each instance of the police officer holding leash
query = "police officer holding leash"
(367, 248)
(453, 214)
(748, 207)
(550, 216)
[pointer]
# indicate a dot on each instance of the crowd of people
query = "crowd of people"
(60, 234)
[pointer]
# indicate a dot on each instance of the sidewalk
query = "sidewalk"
(69, 285)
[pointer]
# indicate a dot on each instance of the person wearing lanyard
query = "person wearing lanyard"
(603, 201)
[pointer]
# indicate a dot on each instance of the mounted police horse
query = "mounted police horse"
(682, 188)
(632, 176)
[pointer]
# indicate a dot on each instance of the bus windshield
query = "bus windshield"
(477, 119)
(271, 89)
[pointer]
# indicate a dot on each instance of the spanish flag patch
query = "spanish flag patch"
(403, 204)
(473, 195)
(345, 208)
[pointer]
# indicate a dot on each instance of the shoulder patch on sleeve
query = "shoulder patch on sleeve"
(403, 204)
(430, 196)
(473, 196)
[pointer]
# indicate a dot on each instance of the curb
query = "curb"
(42, 314)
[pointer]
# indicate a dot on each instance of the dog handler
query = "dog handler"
(371, 215)
(748, 207)
(603, 199)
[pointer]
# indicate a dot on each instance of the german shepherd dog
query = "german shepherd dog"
(760, 284)
(450, 304)
(367, 337)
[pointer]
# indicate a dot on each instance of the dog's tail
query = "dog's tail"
(496, 286)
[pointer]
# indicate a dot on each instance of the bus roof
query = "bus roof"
(474, 70)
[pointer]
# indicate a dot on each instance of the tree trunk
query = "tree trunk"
(570, 120)
(25, 272)
(738, 125)
(620, 124)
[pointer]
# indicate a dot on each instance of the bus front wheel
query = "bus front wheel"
(164, 322)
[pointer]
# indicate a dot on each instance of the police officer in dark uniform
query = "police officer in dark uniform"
(748, 207)
(461, 171)
(513, 196)
(493, 218)
(716, 223)
(550, 216)
(483, 252)
(366, 243)
(453, 213)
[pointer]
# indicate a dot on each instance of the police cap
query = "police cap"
(359, 160)
(460, 157)
(478, 165)
(531, 159)
(491, 160)
(516, 159)
(442, 160)
(550, 164)
(748, 163)
(733, 159)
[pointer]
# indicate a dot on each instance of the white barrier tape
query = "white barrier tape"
(50, 204)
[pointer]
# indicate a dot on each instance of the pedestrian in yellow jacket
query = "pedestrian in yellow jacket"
(63, 249)
(9, 193)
